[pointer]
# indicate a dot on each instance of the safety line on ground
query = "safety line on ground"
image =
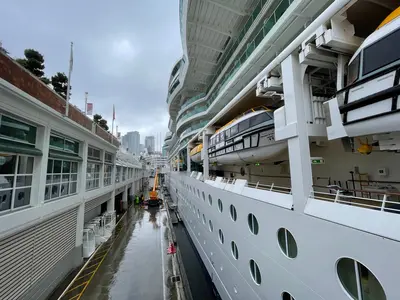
(116, 232)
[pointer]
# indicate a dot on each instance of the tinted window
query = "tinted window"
(382, 53)
(353, 70)
(259, 119)
(221, 136)
(228, 133)
(234, 130)
(244, 125)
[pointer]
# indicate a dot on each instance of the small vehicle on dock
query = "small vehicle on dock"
(153, 200)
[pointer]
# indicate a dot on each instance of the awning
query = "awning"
(19, 148)
(64, 155)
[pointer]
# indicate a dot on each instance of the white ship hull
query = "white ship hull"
(311, 275)
(196, 158)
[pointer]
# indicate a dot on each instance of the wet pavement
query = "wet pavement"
(137, 266)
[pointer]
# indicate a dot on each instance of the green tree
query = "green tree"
(60, 84)
(34, 63)
(103, 124)
(98, 119)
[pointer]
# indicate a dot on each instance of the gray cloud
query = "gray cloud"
(123, 52)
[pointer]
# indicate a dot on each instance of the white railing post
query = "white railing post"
(272, 186)
(337, 196)
(383, 202)
(257, 184)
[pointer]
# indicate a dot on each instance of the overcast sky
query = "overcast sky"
(124, 52)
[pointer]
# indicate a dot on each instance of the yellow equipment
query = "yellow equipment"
(154, 200)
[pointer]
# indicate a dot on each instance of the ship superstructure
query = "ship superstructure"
(316, 218)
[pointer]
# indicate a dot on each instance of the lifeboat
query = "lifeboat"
(369, 103)
(249, 138)
(195, 153)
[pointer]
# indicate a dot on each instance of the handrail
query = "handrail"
(383, 201)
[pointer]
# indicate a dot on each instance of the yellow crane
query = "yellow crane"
(153, 199)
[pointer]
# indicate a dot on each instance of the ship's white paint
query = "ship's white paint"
(311, 275)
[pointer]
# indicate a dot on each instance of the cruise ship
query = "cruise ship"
(299, 200)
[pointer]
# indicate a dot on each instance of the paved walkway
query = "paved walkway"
(137, 265)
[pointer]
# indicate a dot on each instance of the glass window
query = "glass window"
(210, 200)
(61, 143)
(235, 252)
(255, 272)
(61, 179)
(238, 146)
(359, 282)
(253, 224)
(221, 236)
(118, 174)
(92, 176)
(93, 153)
(244, 125)
(234, 130)
(217, 139)
(260, 118)
(220, 206)
(228, 133)
(124, 174)
(287, 296)
(382, 53)
(107, 174)
(108, 157)
(287, 243)
(352, 74)
(254, 140)
(246, 141)
(16, 130)
(233, 212)
(15, 181)
(222, 136)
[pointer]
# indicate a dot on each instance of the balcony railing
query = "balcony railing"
(251, 46)
(196, 110)
(191, 100)
(376, 200)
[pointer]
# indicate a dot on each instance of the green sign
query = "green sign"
(317, 161)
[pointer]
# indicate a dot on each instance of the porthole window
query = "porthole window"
(255, 272)
(287, 243)
(358, 281)
(287, 296)
(221, 236)
(198, 213)
(253, 224)
(204, 196)
(233, 213)
(210, 225)
(235, 252)
(204, 219)
(210, 200)
(198, 193)
(220, 206)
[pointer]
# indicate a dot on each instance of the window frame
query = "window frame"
(14, 188)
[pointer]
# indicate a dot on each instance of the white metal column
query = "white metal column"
(188, 159)
(81, 191)
(206, 163)
(299, 149)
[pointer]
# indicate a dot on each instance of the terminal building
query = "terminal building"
(60, 177)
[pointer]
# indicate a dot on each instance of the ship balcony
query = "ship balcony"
(370, 209)
(196, 113)
(369, 106)
(191, 102)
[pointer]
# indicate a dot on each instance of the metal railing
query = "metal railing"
(383, 201)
